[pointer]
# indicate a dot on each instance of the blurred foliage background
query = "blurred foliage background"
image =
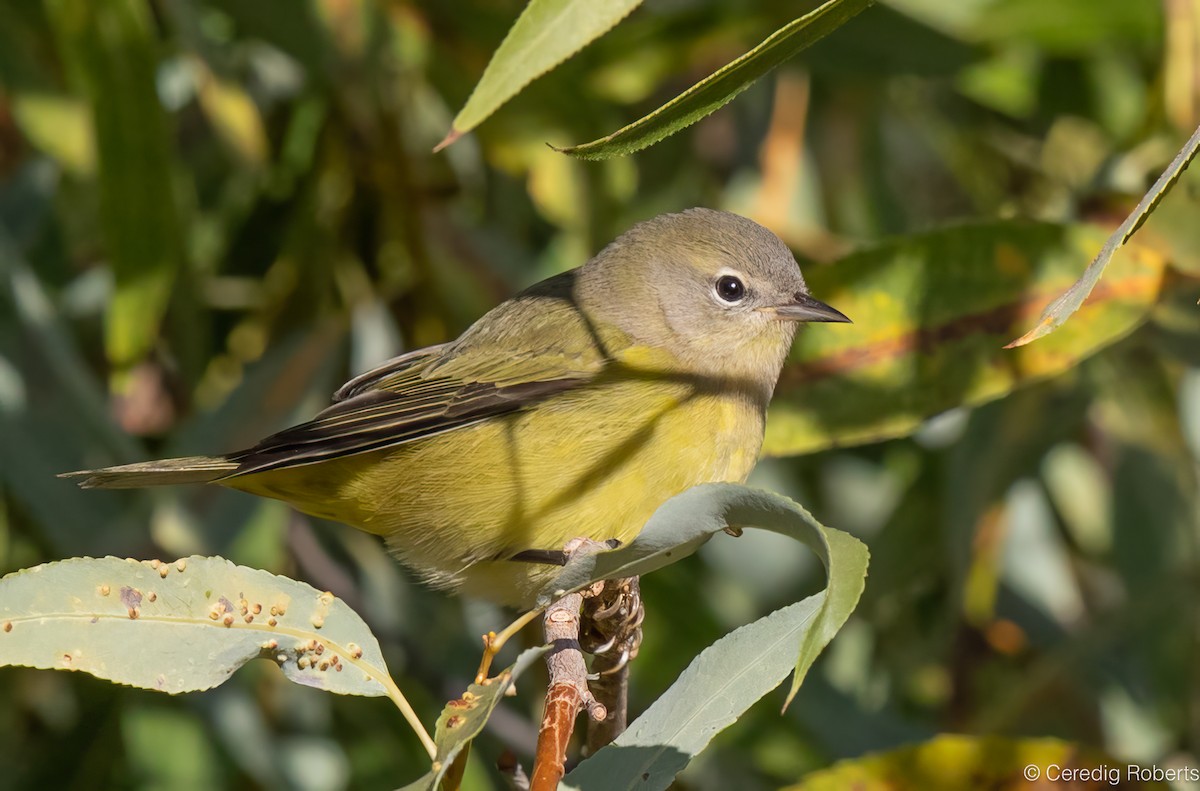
(212, 212)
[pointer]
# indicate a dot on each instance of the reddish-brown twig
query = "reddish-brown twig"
(567, 693)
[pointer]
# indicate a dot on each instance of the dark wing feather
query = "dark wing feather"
(550, 347)
(378, 419)
(391, 375)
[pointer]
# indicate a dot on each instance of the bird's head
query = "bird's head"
(719, 291)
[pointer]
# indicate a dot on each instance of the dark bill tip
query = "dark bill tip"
(805, 308)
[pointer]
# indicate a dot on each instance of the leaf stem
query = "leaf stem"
(409, 714)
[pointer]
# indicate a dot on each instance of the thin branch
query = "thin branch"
(567, 692)
(493, 642)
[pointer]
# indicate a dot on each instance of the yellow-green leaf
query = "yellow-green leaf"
(547, 33)
(931, 314)
(233, 114)
(60, 126)
(718, 88)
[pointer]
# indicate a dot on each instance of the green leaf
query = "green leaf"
(948, 763)
(1070, 27)
(169, 748)
(547, 33)
(1071, 300)
(740, 668)
(717, 89)
(463, 718)
(685, 522)
(60, 126)
(932, 313)
(715, 689)
(183, 626)
(109, 51)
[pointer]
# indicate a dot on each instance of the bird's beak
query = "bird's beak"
(805, 308)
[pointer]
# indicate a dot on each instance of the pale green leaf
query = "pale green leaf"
(183, 626)
(717, 89)
(715, 689)
(547, 33)
(683, 523)
(729, 676)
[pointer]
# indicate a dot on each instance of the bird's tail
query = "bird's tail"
(190, 469)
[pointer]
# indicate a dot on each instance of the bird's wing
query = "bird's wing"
(442, 388)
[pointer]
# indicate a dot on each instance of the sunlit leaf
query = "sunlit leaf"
(547, 33)
(931, 314)
(717, 89)
(109, 51)
(60, 126)
(183, 626)
(234, 116)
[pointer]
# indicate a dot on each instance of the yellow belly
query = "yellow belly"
(592, 463)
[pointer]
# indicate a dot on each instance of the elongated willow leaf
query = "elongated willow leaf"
(717, 89)
(182, 626)
(685, 522)
(186, 626)
(547, 33)
(1071, 299)
(740, 668)
(931, 314)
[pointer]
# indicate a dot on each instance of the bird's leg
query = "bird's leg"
(612, 631)
(493, 642)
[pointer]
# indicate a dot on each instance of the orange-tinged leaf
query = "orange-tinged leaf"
(932, 313)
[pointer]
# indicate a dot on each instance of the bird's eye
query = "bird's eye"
(730, 289)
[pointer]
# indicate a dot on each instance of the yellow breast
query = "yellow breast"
(593, 462)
